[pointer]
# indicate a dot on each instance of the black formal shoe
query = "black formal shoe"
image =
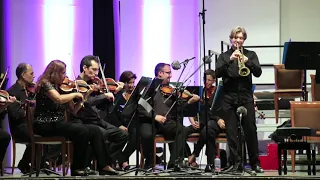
(79, 172)
(111, 173)
(24, 168)
(257, 169)
(209, 168)
(126, 168)
(147, 166)
(90, 171)
(237, 167)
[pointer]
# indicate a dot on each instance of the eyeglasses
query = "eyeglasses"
(167, 72)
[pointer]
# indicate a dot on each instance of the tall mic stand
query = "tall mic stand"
(179, 90)
(242, 111)
(203, 15)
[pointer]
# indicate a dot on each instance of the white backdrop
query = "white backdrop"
(261, 19)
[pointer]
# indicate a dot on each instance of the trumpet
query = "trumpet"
(243, 70)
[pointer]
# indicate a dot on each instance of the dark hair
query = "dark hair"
(87, 61)
(211, 73)
(126, 76)
(22, 68)
(51, 74)
(159, 68)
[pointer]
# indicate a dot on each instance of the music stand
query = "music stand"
(144, 103)
(302, 56)
(131, 110)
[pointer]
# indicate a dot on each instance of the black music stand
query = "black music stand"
(144, 103)
(131, 111)
(302, 56)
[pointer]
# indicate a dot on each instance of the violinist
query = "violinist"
(4, 136)
(116, 118)
(165, 120)
(215, 125)
(17, 113)
(91, 114)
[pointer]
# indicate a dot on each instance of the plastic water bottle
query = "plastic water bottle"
(217, 165)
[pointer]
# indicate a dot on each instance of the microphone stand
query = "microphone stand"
(179, 89)
(241, 140)
(203, 14)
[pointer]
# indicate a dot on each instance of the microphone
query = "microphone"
(175, 65)
(241, 111)
(187, 60)
(207, 59)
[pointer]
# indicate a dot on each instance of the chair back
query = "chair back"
(305, 114)
(30, 109)
(286, 78)
(315, 88)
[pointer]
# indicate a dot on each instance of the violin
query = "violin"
(210, 91)
(168, 91)
(69, 86)
(112, 85)
(4, 97)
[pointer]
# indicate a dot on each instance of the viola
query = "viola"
(168, 91)
(69, 86)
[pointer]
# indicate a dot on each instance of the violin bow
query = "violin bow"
(4, 77)
(102, 74)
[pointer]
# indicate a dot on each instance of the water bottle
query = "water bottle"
(217, 165)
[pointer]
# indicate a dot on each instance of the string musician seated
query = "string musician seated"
(116, 118)
(95, 107)
(216, 125)
(166, 122)
(4, 136)
(23, 90)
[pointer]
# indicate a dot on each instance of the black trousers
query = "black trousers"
(21, 134)
(4, 143)
(211, 148)
(169, 130)
(250, 132)
(77, 133)
(116, 139)
(97, 145)
(131, 144)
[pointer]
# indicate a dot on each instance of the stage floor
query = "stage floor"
(188, 175)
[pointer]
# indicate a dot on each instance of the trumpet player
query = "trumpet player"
(236, 67)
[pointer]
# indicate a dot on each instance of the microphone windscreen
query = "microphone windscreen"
(207, 59)
(242, 110)
(175, 65)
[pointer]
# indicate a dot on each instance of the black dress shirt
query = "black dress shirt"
(90, 113)
(237, 89)
(16, 112)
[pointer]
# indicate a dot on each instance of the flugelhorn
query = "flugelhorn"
(243, 70)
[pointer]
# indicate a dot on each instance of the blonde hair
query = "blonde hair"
(237, 30)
